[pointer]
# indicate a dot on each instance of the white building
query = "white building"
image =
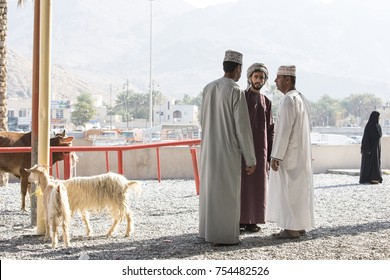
(168, 113)
(20, 114)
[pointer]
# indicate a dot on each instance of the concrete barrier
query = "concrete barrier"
(176, 162)
(344, 156)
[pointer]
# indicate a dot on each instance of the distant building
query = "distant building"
(169, 113)
(20, 115)
(166, 112)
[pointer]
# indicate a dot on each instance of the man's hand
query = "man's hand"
(275, 164)
(250, 169)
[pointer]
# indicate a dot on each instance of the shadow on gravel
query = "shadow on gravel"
(321, 232)
(350, 229)
(174, 247)
(337, 186)
(22, 242)
(167, 247)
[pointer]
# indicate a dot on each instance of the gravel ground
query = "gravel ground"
(352, 222)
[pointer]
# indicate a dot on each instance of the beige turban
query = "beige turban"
(254, 68)
(286, 70)
(233, 56)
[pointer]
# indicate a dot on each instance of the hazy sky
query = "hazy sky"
(330, 52)
(205, 3)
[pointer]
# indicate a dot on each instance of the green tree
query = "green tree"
(197, 100)
(139, 105)
(275, 97)
(324, 112)
(83, 110)
(130, 104)
(187, 100)
(122, 104)
(190, 100)
(361, 105)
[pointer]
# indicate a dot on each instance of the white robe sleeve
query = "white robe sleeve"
(285, 122)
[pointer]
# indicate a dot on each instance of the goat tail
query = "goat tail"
(63, 202)
(134, 186)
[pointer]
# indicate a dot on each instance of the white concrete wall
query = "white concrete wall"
(345, 156)
(176, 162)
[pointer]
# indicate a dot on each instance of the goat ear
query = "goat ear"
(68, 139)
(43, 167)
(62, 134)
(34, 167)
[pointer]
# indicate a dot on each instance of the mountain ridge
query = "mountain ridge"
(107, 42)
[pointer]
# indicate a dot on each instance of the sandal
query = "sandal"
(253, 228)
(225, 244)
(286, 234)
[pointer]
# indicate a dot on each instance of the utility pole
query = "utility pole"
(127, 104)
(110, 107)
(150, 66)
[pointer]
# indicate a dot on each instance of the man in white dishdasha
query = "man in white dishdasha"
(290, 194)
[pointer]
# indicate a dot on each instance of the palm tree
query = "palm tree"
(3, 69)
(3, 77)
(3, 74)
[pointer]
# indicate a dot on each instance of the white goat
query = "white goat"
(106, 191)
(55, 203)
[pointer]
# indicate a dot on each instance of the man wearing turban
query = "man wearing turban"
(290, 194)
(254, 187)
(226, 137)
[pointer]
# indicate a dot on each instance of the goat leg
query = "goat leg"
(129, 228)
(47, 233)
(85, 218)
(116, 220)
(65, 234)
(54, 240)
(24, 193)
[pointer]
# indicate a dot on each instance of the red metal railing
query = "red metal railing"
(119, 149)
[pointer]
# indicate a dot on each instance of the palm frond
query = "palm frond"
(21, 2)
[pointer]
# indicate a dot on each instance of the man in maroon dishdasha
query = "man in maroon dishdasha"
(254, 187)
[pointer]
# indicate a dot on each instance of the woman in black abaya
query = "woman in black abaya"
(370, 170)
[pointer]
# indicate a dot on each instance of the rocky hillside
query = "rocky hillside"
(65, 85)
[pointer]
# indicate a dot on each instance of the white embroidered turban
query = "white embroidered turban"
(233, 56)
(286, 70)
